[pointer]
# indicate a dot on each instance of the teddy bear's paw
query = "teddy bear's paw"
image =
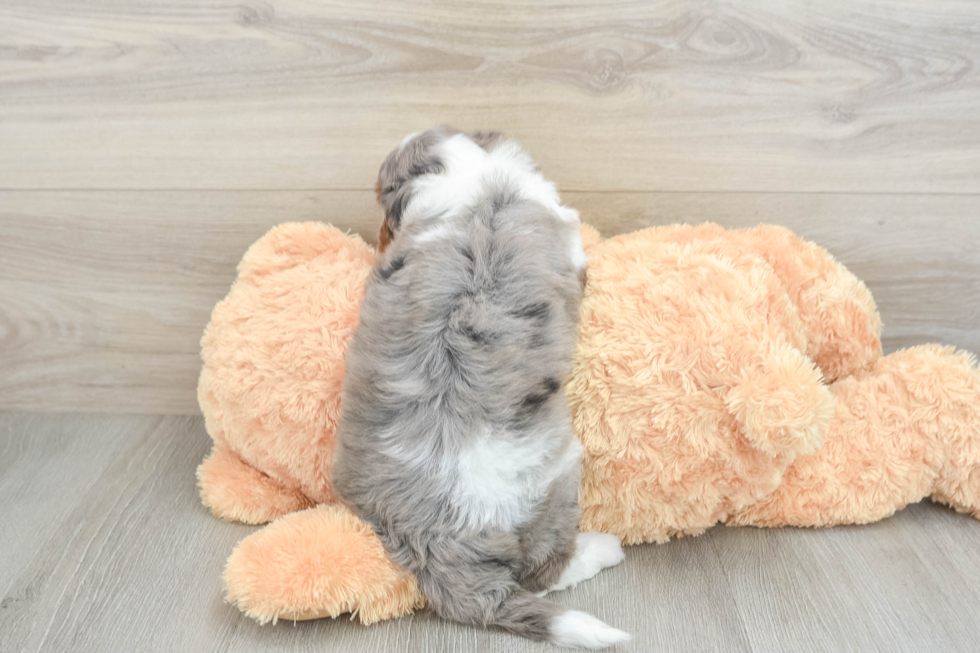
(782, 405)
(593, 553)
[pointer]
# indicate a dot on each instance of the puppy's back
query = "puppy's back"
(480, 321)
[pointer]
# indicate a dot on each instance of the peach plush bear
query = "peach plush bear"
(721, 376)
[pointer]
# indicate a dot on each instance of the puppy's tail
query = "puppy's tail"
(464, 586)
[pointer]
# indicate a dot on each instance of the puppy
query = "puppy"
(455, 439)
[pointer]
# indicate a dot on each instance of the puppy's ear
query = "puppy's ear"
(393, 201)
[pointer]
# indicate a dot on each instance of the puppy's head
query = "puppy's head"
(417, 156)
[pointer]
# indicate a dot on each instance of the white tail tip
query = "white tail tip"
(575, 629)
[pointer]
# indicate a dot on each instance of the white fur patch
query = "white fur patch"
(436, 233)
(500, 481)
(467, 170)
(575, 629)
(579, 259)
(569, 215)
(593, 553)
(465, 163)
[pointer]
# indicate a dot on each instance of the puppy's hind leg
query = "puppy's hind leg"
(471, 580)
(548, 542)
(556, 555)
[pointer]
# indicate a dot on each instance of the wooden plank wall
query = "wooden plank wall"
(143, 146)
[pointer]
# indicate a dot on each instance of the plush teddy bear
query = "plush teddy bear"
(721, 376)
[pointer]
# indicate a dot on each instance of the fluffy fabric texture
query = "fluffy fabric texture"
(320, 562)
(720, 377)
(273, 370)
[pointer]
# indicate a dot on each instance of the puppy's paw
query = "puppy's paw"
(604, 549)
(593, 553)
(575, 629)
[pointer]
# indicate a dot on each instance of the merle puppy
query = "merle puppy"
(455, 440)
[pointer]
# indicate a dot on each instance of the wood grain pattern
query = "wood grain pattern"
(875, 95)
(104, 295)
(105, 547)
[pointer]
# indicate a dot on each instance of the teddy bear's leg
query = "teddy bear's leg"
(236, 491)
(320, 562)
(944, 385)
(909, 429)
(838, 314)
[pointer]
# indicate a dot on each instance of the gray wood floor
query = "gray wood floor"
(105, 547)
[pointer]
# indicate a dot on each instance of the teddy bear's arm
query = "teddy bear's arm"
(839, 316)
(780, 403)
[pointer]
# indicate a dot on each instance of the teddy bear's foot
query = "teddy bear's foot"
(236, 491)
(946, 394)
(320, 562)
